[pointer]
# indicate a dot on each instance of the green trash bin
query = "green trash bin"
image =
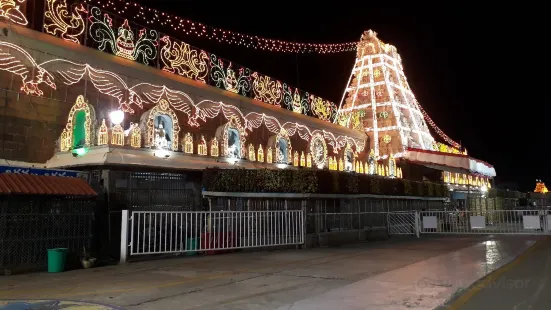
(57, 259)
(192, 244)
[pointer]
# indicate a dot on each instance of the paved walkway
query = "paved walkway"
(522, 286)
(399, 274)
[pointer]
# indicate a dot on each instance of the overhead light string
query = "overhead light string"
(149, 16)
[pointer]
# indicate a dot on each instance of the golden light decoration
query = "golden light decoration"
(269, 158)
(11, 11)
(295, 159)
(252, 153)
(182, 59)
(162, 108)
(309, 160)
(392, 166)
(125, 44)
(188, 143)
(234, 123)
(117, 135)
(540, 187)
(214, 152)
(387, 139)
(302, 159)
(260, 152)
(136, 137)
(90, 116)
(223, 76)
(318, 149)
(266, 89)
(202, 146)
(60, 23)
(103, 133)
(341, 165)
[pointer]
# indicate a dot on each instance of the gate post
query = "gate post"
(124, 236)
(417, 226)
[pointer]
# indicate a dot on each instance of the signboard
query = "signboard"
(39, 171)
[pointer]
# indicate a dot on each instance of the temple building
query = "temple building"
(144, 110)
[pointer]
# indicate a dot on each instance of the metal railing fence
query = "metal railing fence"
(163, 232)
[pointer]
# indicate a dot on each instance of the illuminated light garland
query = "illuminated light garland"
(18, 61)
(174, 56)
(187, 141)
(67, 142)
(162, 108)
(294, 101)
(436, 128)
(103, 134)
(182, 59)
(110, 84)
(58, 22)
(324, 110)
(135, 136)
(214, 151)
(260, 157)
(226, 78)
(377, 71)
(151, 16)
(144, 49)
(319, 150)
(202, 146)
(267, 90)
(10, 10)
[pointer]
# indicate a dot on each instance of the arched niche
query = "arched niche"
(281, 145)
(348, 158)
(80, 129)
(233, 138)
(161, 127)
(318, 149)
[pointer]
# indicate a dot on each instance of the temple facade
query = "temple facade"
(86, 89)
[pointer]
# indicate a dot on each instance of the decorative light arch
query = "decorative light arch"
(318, 148)
(162, 108)
(67, 142)
(233, 123)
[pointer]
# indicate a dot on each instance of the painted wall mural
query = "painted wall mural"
(99, 29)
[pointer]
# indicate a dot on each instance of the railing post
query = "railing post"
(124, 236)
(417, 223)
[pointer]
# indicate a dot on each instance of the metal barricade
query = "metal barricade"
(513, 222)
(162, 232)
(403, 223)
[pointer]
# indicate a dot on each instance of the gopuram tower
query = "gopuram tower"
(379, 101)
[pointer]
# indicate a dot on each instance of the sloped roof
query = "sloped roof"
(27, 184)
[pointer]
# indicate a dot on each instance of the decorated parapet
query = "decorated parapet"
(88, 25)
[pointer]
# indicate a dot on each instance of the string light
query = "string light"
(111, 84)
(149, 16)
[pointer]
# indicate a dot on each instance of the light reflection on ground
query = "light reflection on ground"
(44, 304)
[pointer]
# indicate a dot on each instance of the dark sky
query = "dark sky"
(477, 71)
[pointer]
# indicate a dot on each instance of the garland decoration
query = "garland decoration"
(149, 16)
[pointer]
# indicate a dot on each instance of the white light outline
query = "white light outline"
(111, 84)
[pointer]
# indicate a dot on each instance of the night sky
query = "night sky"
(475, 71)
